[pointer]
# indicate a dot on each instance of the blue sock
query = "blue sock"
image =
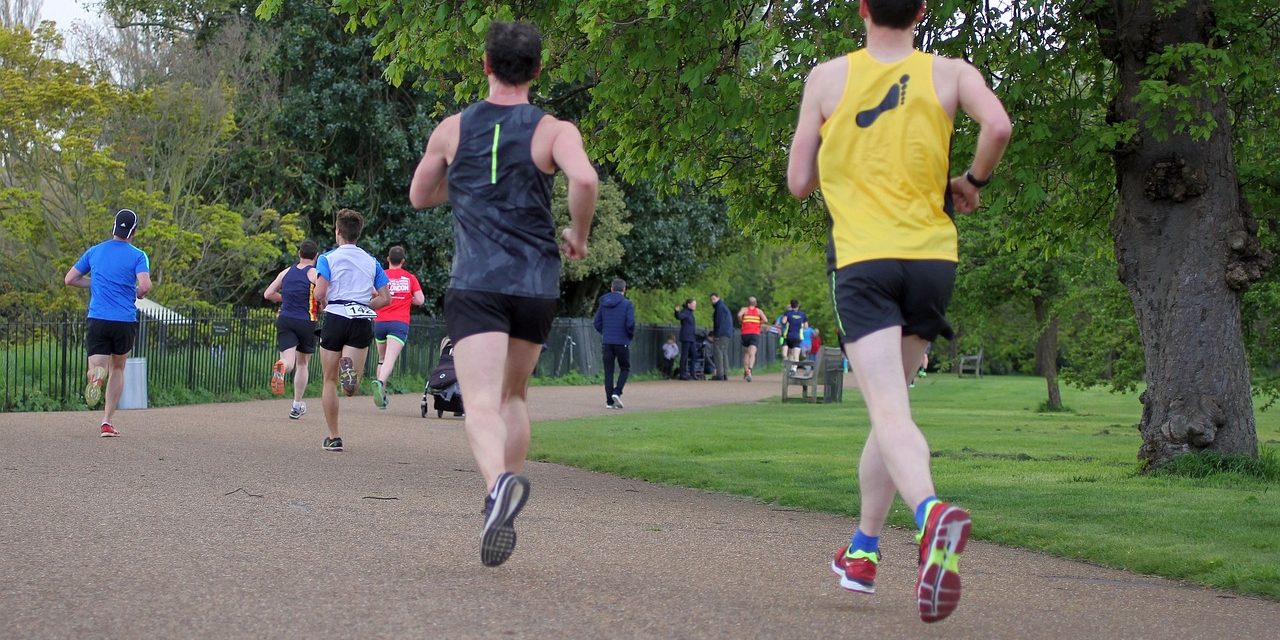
(863, 542)
(922, 510)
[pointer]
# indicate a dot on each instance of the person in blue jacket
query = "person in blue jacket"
(688, 334)
(615, 321)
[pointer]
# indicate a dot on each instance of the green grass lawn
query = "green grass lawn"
(1062, 483)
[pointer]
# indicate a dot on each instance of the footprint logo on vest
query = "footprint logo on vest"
(896, 96)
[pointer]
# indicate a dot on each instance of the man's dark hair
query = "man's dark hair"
(894, 14)
(349, 224)
(715, 295)
(795, 304)
(395, 255)
(514, 50)
(618, 284)
(688, 302)
(308, 250)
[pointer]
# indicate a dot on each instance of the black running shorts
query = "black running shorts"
(793, 343)
(295, 332)
(750, 340)
(878, 294)
(341, 331)
(109, 337)
(467, 313)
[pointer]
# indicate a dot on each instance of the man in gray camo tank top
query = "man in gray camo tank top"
(494, 164)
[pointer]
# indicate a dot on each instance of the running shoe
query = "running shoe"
(748, 376)
(498, 539)
(299, 409)
(857, 570)
(109, 431)
(617, 401)
(93, 390)
(333, 444)
(277, 378)
(380, 394)
(945, 532)
(609, 406)
(347, 376)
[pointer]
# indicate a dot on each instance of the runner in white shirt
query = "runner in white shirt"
(353, 284)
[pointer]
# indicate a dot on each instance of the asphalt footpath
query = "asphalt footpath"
(230, 521)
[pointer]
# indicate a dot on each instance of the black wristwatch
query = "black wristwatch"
(968, 175)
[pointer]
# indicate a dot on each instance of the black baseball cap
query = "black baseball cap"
(126, 222)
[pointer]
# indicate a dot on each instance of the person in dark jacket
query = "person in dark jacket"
(615, 321)
(688, 333)
(721, 334)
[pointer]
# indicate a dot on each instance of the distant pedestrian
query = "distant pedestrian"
(688, 336)
(615, 321)
(117, 274)
(294, 289)
(391, 328)
(752, 318)
(721, 334)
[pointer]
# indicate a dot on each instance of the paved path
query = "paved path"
(229, 521)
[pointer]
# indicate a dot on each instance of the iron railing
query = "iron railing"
(42, 356)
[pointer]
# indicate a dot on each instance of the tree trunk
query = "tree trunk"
(1047, 351)
(1185, 243)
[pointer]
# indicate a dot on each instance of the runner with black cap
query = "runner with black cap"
(116, 273)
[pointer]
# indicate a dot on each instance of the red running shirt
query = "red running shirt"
(402, 286)
(751, 321)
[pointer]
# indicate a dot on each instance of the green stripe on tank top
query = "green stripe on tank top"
(493, 162)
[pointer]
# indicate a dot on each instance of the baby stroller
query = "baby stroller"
(442, 385)
(700, 359)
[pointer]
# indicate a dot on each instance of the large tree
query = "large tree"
(1185, 241)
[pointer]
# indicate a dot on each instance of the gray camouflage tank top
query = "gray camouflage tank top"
(504, 235)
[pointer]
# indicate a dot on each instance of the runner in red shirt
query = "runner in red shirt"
(391, 330)
(751, 318)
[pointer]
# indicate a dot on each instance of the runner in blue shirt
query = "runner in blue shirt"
(116, 273)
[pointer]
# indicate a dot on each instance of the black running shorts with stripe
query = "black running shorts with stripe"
(878, 294)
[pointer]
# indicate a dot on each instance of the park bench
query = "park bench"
(972, 364)
(827, 373)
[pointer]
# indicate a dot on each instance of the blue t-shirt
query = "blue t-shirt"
(113, 267)
(794, 319)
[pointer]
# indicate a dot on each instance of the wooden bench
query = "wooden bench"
(827, 373)
(972, 364)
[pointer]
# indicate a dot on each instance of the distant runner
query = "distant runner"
(117, 274)
(391, 329)
(294, 289)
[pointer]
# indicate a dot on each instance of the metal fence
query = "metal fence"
(42, 357)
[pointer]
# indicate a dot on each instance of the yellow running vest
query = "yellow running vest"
(884, 164)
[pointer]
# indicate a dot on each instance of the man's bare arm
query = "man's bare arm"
(75, 279)
(273, 290)
(144, 284)
(571, 157)
(802, 165)
(980, 103)
(430, 185)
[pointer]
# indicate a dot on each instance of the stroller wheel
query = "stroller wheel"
(439, 413)
(424, 409)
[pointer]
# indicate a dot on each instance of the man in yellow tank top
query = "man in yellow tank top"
(874, 134)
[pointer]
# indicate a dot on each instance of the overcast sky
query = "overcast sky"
(68, 12)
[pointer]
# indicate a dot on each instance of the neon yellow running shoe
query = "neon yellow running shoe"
(93, 390)
(945, 532)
